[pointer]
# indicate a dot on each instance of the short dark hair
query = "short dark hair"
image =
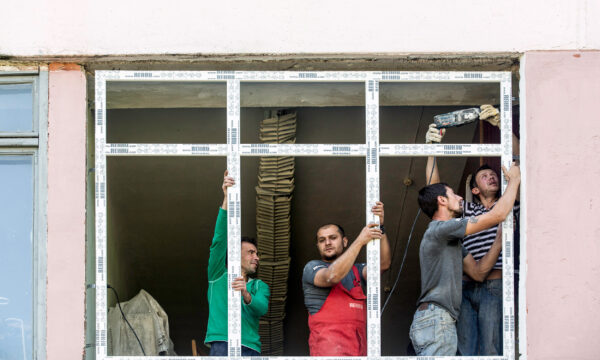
(340, 228)
(428, 197)
(473, 182)
(250, 240)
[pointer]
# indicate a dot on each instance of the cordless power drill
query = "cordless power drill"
(456, 118)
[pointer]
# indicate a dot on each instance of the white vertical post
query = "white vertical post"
(100, 197)
(41, 225)
(372, 173)
(507, 225)
(234, 217)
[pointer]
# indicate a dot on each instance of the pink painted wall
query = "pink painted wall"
(563, 231)
(563, 199)
(66, 212)
(70, 27)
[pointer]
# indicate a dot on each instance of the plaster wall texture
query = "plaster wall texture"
(563, 233)
(66, 213)
(69, 27)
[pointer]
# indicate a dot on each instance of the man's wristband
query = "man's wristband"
(382, 228)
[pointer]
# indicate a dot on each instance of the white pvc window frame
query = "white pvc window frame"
(372, 150)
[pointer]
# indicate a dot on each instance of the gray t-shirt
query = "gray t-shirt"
(440, 255)
(314, 296)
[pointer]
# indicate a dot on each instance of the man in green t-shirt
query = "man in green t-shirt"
(255, 293)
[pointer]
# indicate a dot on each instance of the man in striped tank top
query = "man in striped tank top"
(479, 326)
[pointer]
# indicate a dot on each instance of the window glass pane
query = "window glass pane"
(16, 256)
(16, 107)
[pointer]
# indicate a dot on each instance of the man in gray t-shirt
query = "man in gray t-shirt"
(443, 259)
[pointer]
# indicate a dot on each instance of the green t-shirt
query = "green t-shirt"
(216, 329)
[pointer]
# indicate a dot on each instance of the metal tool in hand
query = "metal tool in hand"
(456, 118)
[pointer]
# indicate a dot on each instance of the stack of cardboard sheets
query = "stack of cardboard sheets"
(271, 337)
(279, 129)
(273, 207)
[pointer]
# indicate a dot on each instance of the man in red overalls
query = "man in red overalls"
(333, 290)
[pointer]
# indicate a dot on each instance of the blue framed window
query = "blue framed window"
(23, 114)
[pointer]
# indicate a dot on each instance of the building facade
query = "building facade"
(47, 72)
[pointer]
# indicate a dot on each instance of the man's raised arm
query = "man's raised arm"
(434, 135)
(478, 270)
(218, 247)
(330, 276)
(385, 254)
(227, 182)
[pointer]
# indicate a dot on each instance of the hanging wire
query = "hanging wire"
(407, 245)
(404, 195)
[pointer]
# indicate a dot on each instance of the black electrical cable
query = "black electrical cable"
(407, 245)
(123, 314)
(392, 258)
(404, 197)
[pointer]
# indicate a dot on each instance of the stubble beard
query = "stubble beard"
(330, 258)
(251, 271)
(457, 213)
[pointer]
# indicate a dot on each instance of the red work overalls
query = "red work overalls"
(339, 328)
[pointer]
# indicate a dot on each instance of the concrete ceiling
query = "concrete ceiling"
(433, 94)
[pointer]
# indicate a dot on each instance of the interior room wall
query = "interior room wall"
(120, 264)
(166, 207)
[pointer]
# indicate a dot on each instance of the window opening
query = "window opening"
(371, 150)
